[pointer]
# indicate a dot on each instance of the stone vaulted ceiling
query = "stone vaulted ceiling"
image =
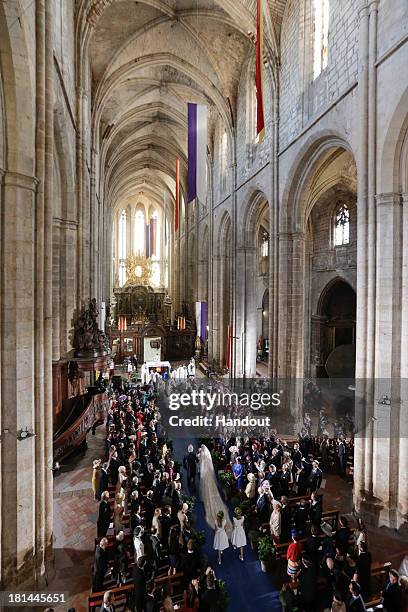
(147, 59)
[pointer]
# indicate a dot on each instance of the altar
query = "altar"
(141, 322)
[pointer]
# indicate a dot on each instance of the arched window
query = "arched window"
(342, 225)
(122, 235)
(122, 274)
(223, 164)
(155, 234)
(265, 244)
(139, 233)
(321, 36)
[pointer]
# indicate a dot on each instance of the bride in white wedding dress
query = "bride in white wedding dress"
(209, 493)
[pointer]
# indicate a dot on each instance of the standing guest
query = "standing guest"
(104, 516)
(101, 565)
(165, 524)
(315, 509)
(183, 518)
(156, 523)
(96, 468)
(220, 537)
(238, 539)
(174, 547)
(293, 555)
(191, 599)
(360, 534)
(190, 562)
(139, 584)
(250, 489)
(315, 477)
(122, 478)
(103, 480)
(328, 547)
(275, 522)
(338, 604)
(343, 535)
(301, 517)
(151, 604)
(355, 602)
(286, 519)
(138, 543)
(288, 598)
(313, 545)
(121, 559)
(210, 601)
(392, 594)
(190, 464)
(307, 584)
(150, 507)
(108, 602)
(363, 567)
(238, 471)
(341, 455)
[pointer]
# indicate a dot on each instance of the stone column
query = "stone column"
(402, 505)
(246, 341)
(19, 508)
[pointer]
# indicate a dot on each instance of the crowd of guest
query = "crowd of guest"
(325, 565)
(144, 522)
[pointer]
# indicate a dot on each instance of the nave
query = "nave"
(75, 507)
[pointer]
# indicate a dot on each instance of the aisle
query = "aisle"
(249, 588)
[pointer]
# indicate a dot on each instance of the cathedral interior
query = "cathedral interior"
(293, 266)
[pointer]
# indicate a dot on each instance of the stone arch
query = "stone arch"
(308, 160)
(394, 154)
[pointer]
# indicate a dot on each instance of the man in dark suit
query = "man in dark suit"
(392, 594)
(100, 565)
(166, 523)
(150, 507)
(315, 477)
(103, 480)
(151, 604)
(363, 567)
(210, 601)
(139, 584)
(190, 562)
(152, 549)
(104, 516)
(355, 602)
(341, 454)
(286, 520)
(308, 584)
(190, 465)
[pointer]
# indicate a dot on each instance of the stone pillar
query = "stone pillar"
(402, 504)
(246, 330)
(19, 503)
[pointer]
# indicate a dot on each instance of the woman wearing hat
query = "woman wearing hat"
(220, 536)
(293, 555)
(250, 490)
(238, 539)
(275, 521)
(95, 477)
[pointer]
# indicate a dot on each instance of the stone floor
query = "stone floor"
(75, 515)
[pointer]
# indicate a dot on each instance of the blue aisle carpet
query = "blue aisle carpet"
(248, 587)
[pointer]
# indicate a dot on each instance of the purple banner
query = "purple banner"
(192, 152)
(203, 331)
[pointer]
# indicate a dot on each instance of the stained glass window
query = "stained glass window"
(342, 226)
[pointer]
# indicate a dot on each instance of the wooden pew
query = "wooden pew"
(122, 595)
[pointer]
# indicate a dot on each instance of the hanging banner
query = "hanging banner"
(147, 241)
(260, 119)
(197, 152)
(177, 208)
(229, 336)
